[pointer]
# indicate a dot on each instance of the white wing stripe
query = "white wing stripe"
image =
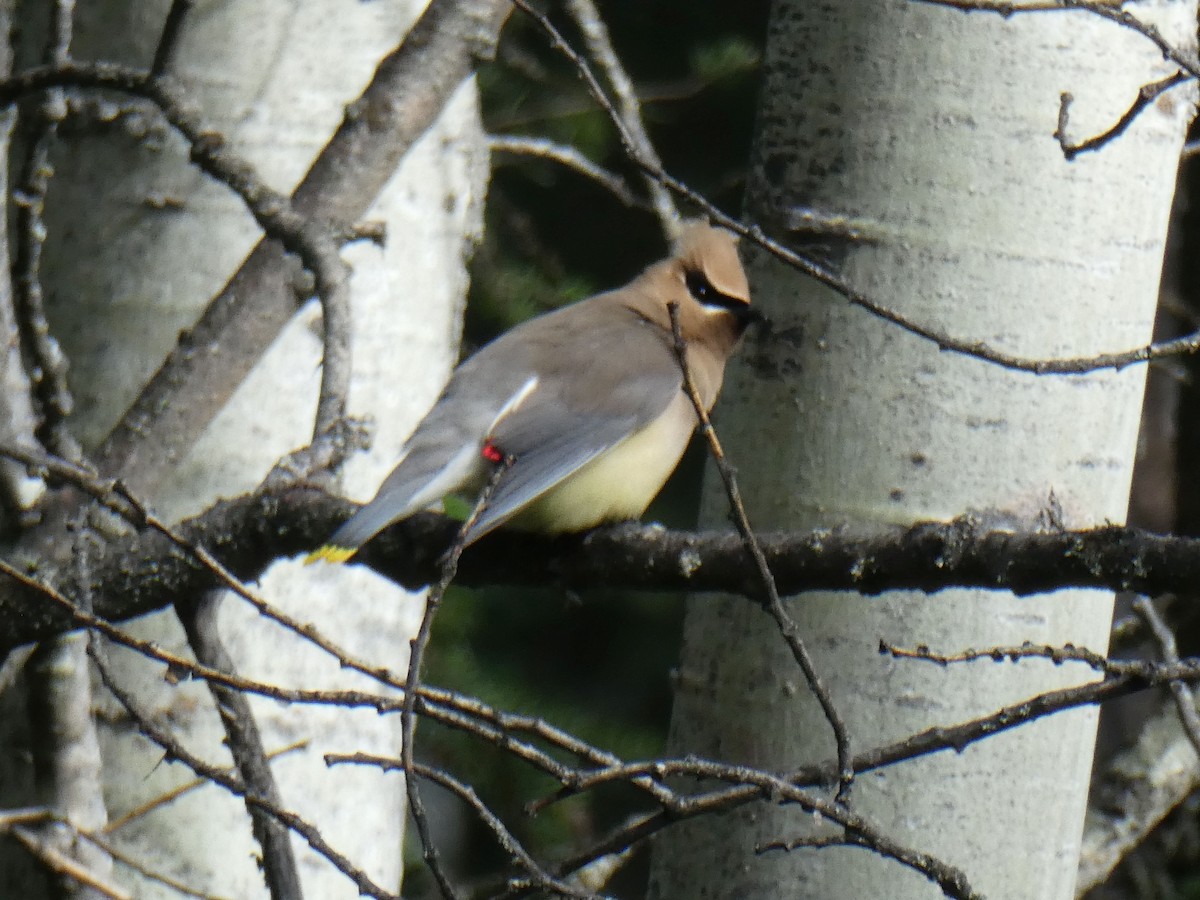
(514, 402)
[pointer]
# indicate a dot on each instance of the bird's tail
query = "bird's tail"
(330, 553)
(418, 481)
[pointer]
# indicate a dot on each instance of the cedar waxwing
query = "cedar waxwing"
(586, 402)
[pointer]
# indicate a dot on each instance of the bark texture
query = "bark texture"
(139, 241)
(927, 135)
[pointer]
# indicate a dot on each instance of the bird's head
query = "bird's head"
(705, 279)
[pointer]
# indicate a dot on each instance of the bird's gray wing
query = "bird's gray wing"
(623, 375)
(442, 455)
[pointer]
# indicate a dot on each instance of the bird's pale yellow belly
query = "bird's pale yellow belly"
(619, 484)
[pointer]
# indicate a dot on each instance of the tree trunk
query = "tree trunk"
(929, 133)
(139, 241)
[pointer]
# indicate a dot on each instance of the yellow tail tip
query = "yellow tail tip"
(331, 553)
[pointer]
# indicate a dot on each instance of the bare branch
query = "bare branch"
(146, 571)
(410, 88)
(1185, 702)
(46, 358)
(754, 233)
(780, 789)
(234, 785)
(1134, 677)
(199, 620)
(566, 155)
(599, 44)
(64, 866)
(416, 656)
(1057, 655)
(168, 42)
(168, 797)
(1146, 95)
(537, 877)
(318, 249)
(770, 593)
(1105, 9)
(145, 871)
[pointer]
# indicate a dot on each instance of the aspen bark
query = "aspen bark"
(929, 135)
(138, 242)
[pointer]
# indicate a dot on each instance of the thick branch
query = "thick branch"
(143, 572)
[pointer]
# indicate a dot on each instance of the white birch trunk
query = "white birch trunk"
(126, 275)
(931, 131)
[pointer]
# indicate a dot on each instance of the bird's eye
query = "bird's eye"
(705, 294)
(699, 287)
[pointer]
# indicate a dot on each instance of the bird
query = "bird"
(584, 406)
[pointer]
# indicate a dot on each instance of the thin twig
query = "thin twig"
(45, 354)
(537, 878)
(233, 783)
(1056, 655)
(408, 90)
(45, 357)
(780, 790)
(1146, 95)
(199, 620)
(771, 602)
(316, 244)
(1126, 678)
(168, 41)
(599, 43)
(63, 865)
(168, 797)
(28, 815)
(416, 656)
(449, 708)
(145, 871)
(1185, 700)
(1072, 365)
(1105, 9)
(918, 862)
(566, 155)
(47, 465)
